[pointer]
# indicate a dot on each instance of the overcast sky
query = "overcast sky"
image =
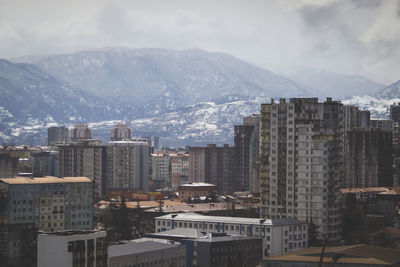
(351, 37)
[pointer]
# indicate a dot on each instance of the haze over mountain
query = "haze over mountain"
(324, 83)
(186, 97)
(165, 78)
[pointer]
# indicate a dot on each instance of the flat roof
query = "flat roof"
(131, 248)
(45, 180)
(198, 184)
(191, 216)
(354, 254)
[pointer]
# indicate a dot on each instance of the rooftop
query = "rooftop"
(130, 248)
(198, 184)
(45, 180)
(191, 216)
(70, 232)
(354, 254)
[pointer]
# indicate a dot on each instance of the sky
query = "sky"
(355, 37)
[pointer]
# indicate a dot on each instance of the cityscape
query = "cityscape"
(199, 133)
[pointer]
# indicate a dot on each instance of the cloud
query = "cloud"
(351, 37)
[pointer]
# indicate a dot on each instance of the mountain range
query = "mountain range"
(186, 97)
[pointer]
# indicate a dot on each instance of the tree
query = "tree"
(313, 240)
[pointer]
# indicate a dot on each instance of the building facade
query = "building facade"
(84, 158)
(45, 203)
(128, 164)
(120, 132)
(243, 138)
(45, 163)
(196, 190)
(79, 132)
(57, 135)
(179, 170)
(368, 158)
(278, 236)
(72, 248)
(301, 162)
(213, 165)
(146, 253)
(9, 160)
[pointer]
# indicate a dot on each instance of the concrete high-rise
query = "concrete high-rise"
(243, 158)
(213, 165)
(128, 164)
(84, 158)
(57, 135)
(120, 132)
(45, 163)
(368, 158)
(8, 162)
(79, 132)
(301, 162)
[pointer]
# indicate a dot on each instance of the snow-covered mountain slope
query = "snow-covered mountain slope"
(167, 79)
(390, 92)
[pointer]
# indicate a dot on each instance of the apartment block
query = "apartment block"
(179, 170)
(120, 132)
(244, 160)
(84, 158)
(368, 158)
(79, 132)
(57, 135)
(9, 160)
(278, 236)
(160, 169)
(128, 164)
(45, 163)
(301, 162)
(213, 165)
(45, 203)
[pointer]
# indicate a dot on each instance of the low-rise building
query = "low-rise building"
(72, 248)
(196, 190)
(279, 236)
(147, 253)
(214, 249)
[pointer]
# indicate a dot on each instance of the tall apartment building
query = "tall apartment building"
(120, 132)
(84, 158)
(45, 203)
(8, 162)
(57, 135)
(128, 164)
(45, 163)
(213, 165)
(395, 112)
(301, 162)
(244, 160)
(80, 131)
(368, 158)
(179, 170)
(385, 125)
(160, 169)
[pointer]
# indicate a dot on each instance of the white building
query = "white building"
(128, 164)
(72, 248)
(279, 236)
